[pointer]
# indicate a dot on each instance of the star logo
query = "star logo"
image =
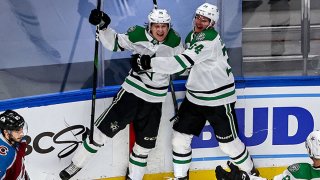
(131, 29)
(154, 42)
(114, 126)
(294, 168)
(200, 36)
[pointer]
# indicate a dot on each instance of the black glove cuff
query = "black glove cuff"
(105, 21)
(145, 62)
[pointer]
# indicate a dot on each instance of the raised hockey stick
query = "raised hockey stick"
(155, 4)
(95, 77)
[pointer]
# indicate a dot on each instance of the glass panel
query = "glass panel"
(314, 56)
(45, 47)
(48, 46)
(230, 30)
(271, 37)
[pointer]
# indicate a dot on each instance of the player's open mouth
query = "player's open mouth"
(199, 27)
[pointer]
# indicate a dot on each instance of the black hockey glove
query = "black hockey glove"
(99, 18)
(140, 62)
(234, 174)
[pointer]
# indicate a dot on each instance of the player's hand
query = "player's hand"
(234, 174)
(140, 62)
(99, 18)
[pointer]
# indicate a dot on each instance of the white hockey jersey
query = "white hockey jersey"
(150, 86)
(297, 171)
(210, 81)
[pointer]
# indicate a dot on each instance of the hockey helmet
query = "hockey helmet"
(313, 144)
(11, 120)
(159, 16)
(210, 11)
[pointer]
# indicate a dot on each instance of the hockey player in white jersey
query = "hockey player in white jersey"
(210, 92)
(141, 95)
(294, 172)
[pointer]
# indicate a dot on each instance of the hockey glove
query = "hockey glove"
(140, 62)
(99, 18)
(234, 174)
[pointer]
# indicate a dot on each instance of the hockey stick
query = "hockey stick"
(95, 77)
(174, 99)
(155, 4)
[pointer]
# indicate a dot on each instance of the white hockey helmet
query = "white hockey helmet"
(159, 16)
(313, 144)
(210, 11)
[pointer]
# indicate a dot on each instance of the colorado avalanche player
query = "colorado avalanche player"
(12, 147)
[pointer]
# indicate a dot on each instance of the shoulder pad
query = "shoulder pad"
(136, 34)
(173, 39)
(294, 167)
(299, 170)
(188, 38)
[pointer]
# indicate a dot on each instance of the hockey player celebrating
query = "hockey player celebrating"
(210, 92)
(141, 95)
(12, 146)
(293, 172)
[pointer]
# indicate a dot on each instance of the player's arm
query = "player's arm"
(109, 38)
(287, 173)
(196, 53)
(179, 50)
(171, 65)
(114, 41)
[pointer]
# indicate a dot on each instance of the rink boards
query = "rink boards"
(273, 123)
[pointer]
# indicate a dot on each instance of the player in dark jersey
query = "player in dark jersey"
(12, 147)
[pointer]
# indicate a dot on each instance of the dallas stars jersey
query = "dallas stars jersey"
(296, 171)
(150, 86)
(210, 81)
(299, 171)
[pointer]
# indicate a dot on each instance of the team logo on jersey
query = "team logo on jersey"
(3, 150)
(200, 36)
(114, 126)
(294, 168)
(154, 42)
(131, 29)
